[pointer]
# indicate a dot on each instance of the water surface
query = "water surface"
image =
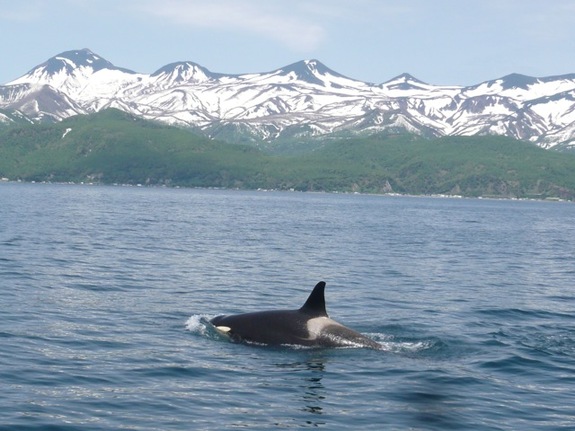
(103, 291)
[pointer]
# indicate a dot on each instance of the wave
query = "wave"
(199, 324)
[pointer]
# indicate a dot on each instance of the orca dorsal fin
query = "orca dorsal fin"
(315, 304)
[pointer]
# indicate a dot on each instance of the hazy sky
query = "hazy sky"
(460, 42)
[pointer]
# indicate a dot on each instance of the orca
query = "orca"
(308, 326)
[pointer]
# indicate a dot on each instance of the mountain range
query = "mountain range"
(299, 101)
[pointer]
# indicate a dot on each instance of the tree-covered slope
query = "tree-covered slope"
(470, 166)
(114, 147)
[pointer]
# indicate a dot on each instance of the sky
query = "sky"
(441, 42)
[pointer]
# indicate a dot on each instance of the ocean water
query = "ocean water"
(104, 292)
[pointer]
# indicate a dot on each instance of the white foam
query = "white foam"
(390, 344)
(198, 324)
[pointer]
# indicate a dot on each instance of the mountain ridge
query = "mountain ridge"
(302, 100)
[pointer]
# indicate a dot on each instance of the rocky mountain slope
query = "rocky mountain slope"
(304, 99)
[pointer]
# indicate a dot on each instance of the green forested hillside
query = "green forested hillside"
(114, 147)
(469, 166)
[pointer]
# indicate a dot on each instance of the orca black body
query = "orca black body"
(308, 326)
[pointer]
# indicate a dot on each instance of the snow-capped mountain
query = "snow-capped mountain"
(302, 99)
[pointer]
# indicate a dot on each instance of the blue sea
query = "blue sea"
(104, 292)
